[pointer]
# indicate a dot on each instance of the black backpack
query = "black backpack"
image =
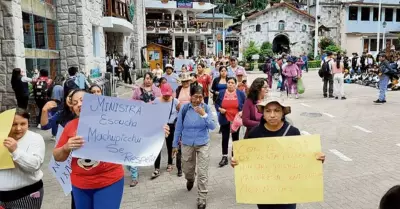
(41, 90)
(70, 85)
(354, 62)
(325, 69)
(145, 97)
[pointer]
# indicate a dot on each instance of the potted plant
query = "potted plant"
(164, 1)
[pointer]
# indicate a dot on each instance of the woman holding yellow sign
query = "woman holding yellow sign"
(273, 124)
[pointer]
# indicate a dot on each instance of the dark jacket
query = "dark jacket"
(214, 88)
(241, 98)
(20, 88)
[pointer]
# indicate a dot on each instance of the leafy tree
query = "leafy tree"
(266, 50)
(333, 48)
(325, 42)
(251, 50)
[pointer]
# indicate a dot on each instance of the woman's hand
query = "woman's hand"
(166, 130)
(11, 144)
(174, 152)
(200, 110)
(234, 162)
(49, 105)
(222, 110)
(75, 142)
(321, 157)
(240, 114)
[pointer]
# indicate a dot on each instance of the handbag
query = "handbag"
(294, 79)
(236, 123)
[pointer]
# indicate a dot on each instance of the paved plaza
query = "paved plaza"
(359, 138)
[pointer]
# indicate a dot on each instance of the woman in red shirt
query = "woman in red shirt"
(229, 103)
(203, 79)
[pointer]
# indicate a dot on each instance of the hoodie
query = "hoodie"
(291, 71)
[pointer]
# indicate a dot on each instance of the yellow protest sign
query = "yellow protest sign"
(278, 170)
(6, 121)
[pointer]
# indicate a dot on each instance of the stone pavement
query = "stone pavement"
(358, 137)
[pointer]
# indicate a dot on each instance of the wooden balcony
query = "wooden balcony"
(115, 8)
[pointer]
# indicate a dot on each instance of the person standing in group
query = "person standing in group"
(158, 72)
(338, 77)
(241, 81)
(166, 92)
(219, 83)
(233, 67)
(76, 80)
(273, 124)
(215, 71)
(268, 70)
(172, 78)
(195, 119)
(183, 91)
(19, 83)
(41, 91)
(146, 93)
(281, 63)
(384, 78)
(290, 71)
(22, 186)
(204, 79)
(127, 72)
(229, 104)
(95, 89)
(327, 64)
(257, 92)
(304, 57)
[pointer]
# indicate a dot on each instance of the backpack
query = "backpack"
(41, 89)
(145, 97)
(267, 67)
(325, 69)
(354, 62)
(70, 85)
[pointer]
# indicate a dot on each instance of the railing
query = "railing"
(115, 8)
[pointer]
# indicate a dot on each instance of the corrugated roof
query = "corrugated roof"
(210, 16)
(277, 5)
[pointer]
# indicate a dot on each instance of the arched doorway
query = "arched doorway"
(281, 44)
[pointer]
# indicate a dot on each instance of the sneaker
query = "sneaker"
(189, 185)
(297, 96)
(379, 101)
(343, 98)
(330, 96)
(336, 97)
(53, 138)
(201, 206)
(224, 161)
(325, 96)
(39, 126)
(179, 174)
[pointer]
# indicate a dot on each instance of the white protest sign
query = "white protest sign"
(121, 131)
(62, 170)
(178, 64)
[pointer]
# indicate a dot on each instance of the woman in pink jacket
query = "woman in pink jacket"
(291, 71)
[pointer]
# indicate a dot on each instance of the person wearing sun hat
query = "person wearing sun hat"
(274, 124)
(172, 78)
(183, 91)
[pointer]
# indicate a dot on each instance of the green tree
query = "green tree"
(325, 42)
(266, 50)
(251, 50)
(333, 48)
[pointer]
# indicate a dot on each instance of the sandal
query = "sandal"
(133, 183)
(170, 168)
(155, 174)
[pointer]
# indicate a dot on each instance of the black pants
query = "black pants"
(40, 104)
(22, 102)
(127, 76)
(290, 206)
(226, 130)
(283, 82)
(72, 202)
(328, 79)
(168, 141)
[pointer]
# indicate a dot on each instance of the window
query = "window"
(51, 34)
(398, 15)
(373, 45)
(376, 14)
(366, 45)
(281, 25)
(40, 39)
(304, 28)
(389, 14)
(96, 41)
(353, 13)
(28, 38)
(365, 13)
(258, 28)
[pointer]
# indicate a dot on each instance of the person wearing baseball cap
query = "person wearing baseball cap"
(233, 67)
(274, 124)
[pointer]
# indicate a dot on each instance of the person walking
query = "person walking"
(219, 83)
(204, 79)
(127, 72)
(327, 75)
(41, 91)
(291, 72)
(229, 104)
(166, 92)
(19, 83)
(257, 92)
(172, 78)
(22, 186)
(273, 124)
(192, 129)
(384, 78)
(338, 78)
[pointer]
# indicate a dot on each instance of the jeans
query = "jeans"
(283, 82)
(107, 197)
(226, 130)
(134, 172)
(383, 82)
(289, 206)
(328, 79)
(338, 84)
(168, 141)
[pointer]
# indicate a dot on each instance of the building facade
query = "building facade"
(58, 34)
(286, 27)
(354, 25)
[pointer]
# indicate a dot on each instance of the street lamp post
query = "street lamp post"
(379, 25)
(384, 33)
(316, 29)
(223, 30)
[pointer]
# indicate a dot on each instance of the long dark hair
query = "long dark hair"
(255, 89)
(15, 76)
(66, 114)
(338, 59)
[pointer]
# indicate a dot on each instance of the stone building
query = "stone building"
(57, 34)
(286, 27)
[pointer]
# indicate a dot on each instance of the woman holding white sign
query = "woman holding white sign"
(195, 119)
(273, 124)
(22, 186)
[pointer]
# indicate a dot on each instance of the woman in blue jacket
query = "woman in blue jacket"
(229, 103)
